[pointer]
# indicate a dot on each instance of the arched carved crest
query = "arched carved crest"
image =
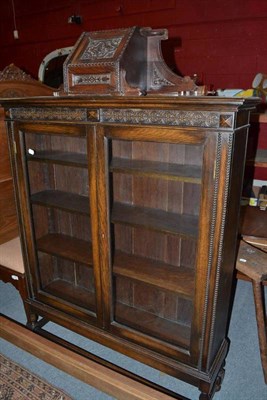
(16, 83)
(13, 73)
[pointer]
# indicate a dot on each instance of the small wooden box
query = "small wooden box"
(98, 62)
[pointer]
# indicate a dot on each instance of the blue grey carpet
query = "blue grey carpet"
(243, 379)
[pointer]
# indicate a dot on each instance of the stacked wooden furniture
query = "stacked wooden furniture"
(254, 218)
(252, 264)
(13, 83)
(129, 211)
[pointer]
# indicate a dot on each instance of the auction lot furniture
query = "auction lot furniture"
(129, 213)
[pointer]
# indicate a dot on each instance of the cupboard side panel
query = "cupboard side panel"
(227, 243)
(220, 189)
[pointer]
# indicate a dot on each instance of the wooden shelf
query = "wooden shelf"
(60, 157)
(260, 159)
(64, 200)
(153, 325)
(66, 247)
(175, 279)
(72, 293)
(159, 220)
(185, 173)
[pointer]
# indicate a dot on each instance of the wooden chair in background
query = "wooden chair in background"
(12, 266)
(252, 265)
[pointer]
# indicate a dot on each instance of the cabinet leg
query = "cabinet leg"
(219, 379)
(204, 396)
(208, 392)
(32, 319)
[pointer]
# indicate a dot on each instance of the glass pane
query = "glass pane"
(154, 216)
(61, 216)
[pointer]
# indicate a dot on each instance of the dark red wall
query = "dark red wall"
(223, 41)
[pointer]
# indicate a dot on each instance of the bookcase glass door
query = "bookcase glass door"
(57, 171)
(154, 217)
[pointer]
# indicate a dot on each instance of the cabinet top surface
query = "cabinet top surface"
(196, 102)
(195, 112)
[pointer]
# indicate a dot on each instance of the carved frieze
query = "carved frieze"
(49, 114)
(136, 116)
(162, 117)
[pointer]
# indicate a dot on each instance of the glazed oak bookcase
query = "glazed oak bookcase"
(128, 211)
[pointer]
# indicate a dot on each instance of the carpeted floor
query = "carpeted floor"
(243, 379)
(18, 383)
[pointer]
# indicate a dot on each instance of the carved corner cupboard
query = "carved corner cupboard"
(129, 211)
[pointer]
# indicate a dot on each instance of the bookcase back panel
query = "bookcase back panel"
(170, 249)
(57, 177)
(153, 312)
(177, 153)
(53, 221)
(69, 281)
(43, 142)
